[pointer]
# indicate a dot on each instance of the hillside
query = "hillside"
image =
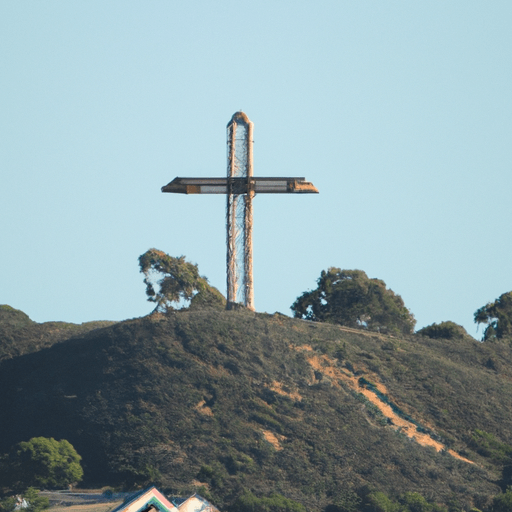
(20, 335)
(226, 401)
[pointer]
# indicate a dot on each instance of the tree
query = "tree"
(380, 502)
(176, 281)
(43, 463)
(498, 317)
(349, 297)
(415, 502)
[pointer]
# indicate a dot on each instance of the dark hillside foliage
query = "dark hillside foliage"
(235, 403)
(20, 335)
(13, 318)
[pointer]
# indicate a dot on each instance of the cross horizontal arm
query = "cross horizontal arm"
(240, 186)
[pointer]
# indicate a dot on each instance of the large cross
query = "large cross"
(240, 186)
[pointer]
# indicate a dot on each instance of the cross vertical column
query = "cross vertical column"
(248, 281)
(230, 220)
(239, 212)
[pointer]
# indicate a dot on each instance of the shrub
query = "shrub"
(275, 503)
(444, 330)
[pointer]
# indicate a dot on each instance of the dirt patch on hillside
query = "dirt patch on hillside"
(273, 439)
(203, 408)
(277, 387)
(327, 367)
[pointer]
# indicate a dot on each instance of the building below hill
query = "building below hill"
(152, 500)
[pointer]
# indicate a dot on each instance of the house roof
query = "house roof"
(151, 499)
(196, 503)
(145, 500)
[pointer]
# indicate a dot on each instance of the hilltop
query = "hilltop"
(20, 335)
(227, 401)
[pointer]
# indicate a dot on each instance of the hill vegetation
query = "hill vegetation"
(20, 335)
(235, 403)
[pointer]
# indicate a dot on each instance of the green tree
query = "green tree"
(170, 281)
(349, 297)
(498, 317)
(415, 502)
(344, 500)
(43, 463)
(380, 502)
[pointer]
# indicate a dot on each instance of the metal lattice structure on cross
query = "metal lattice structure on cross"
(240, 186)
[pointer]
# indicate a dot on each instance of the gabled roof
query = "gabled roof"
(145, 500)
(197, 504)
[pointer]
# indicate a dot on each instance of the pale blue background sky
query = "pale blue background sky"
(399, 112)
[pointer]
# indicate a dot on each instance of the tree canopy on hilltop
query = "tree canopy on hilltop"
(170, 281)
(351, 298)
(498, 317)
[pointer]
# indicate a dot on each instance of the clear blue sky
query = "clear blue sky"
(399, 112)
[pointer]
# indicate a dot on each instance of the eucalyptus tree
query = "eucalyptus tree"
(171, 282)
(497, 316)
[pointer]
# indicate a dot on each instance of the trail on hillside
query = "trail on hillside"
(377, 396)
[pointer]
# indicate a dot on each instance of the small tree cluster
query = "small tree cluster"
(351, 298)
